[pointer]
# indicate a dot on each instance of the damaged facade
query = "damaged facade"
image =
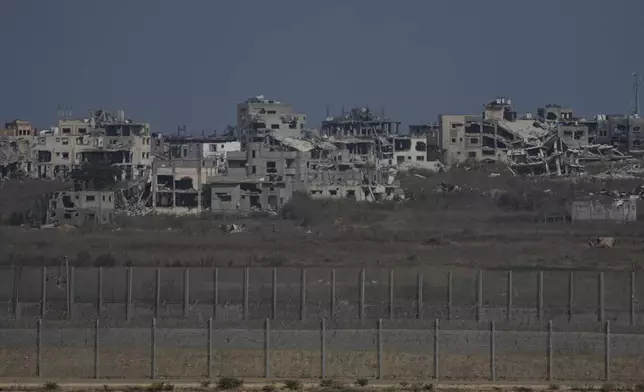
(102, 137)
(81, 207)
(16, 140)
(555, 142)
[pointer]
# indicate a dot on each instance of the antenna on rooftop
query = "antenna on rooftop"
(327, 110)
(637, 81)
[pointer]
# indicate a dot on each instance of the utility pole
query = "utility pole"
(637, 80)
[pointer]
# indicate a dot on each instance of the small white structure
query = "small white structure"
(619, 211)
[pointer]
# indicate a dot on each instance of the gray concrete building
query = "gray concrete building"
(626, 133)
(81, 207)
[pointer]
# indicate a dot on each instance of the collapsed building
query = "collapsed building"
(555, 142)
(275, 157)
(15, 148)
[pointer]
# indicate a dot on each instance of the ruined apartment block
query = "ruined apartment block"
(81, 207)
(363, 138)
(258, 117)
(625, 133)
(15, 148)
(102, 137)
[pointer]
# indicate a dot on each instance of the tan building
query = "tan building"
(487, 136)
(259, 116)
(101, 138)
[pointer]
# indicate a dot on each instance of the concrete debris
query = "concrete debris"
(545, 157)
(602, 242)
(232, 228)
(447, 188)
(434, 166)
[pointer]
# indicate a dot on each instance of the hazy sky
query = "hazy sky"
(190, 62)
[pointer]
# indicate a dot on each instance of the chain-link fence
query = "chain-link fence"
(139, 294)
(264, 348)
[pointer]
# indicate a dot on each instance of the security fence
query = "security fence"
(139, 294)
(264, 348)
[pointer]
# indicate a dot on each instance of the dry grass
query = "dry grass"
(490, 226)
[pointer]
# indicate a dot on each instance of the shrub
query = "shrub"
(160, 386)
(269, 388)
(362, 382)
(227, 383)
(293, 385)
(327, 383)
(51, 386)
(205, 383)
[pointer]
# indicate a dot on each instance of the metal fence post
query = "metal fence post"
(215, 292)
(72, 291)
(391, 294)
(632, 300)
(267, 348)
(492, 352)
(607, 352)
(379, 348)
(186, 292)
(15, 301)
(157, 292)
(436, 357)
(419, 295)
(303, 294)
(479, 295)
(323, 348)
(510, 295)
(153, 349)
(99, 292)
(361, 294)
(571, 295)
(209, 348)
(333, 294)
(550, 352)
(540, 296)
(274, 299)
(246, 291)
(39, 348)
(96, 349)
(246, 286)
(600, 298)
(68, 304)
(43, 294)
(128, 294)
(449, 296)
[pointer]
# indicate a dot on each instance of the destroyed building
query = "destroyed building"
(362, 137)
(16, 140)
(487, 136)
(257, 117)
(103, 137)
(81, 207)
(625, 133)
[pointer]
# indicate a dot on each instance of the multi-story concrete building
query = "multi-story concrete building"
(626, 133)
(102, 137)
(81, 207)
(487, 136)
(257, 117)
(362, 138)
(16, 140)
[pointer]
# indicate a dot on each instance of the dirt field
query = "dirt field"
(491, 226)
(134, 363)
